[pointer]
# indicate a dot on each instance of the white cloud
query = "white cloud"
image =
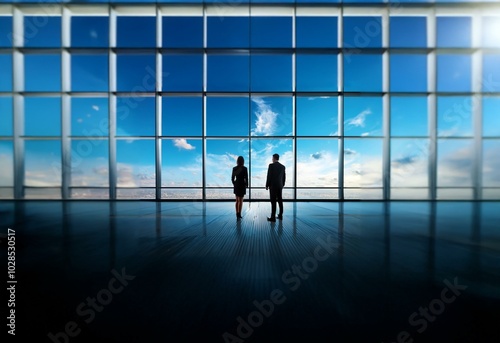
(491, 166)
(316, 155)
(219, 168)
(101, 170)
(265, 124)
(79, 120)
(93, 34)
(135, 176)
(455, 168)
(182, 143)
(6, 171)
(359, 120)
(95, 108)
(363, 171)
(317, 170)
(43, 178)
(364, 134)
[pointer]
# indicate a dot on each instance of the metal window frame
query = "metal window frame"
(385, 11)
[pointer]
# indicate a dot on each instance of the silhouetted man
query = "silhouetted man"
(275, 183)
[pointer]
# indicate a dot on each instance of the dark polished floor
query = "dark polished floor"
(189, 272)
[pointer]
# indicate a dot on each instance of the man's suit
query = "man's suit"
(276, 181)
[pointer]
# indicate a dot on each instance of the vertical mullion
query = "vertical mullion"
(204, 105)
(112, 104)
(65, 103)
(18, 102)
(386, 154)
(432, 103)
(477, 108)
(250, 99)
(340, 114)
(294, 100)
(158, 107)
(66, 144)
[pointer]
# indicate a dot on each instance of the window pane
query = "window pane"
(6, 27)
(7, 170)
(6, 117)
(363, 73)
(132, 193)
(181, 116)
(490, 29)
(408, 73)
(135, 116)
(408, 32)
(317, 116)
(228, 73)
(362, 32)
(455, 161)
(409, 162)
(183, 73)
(363, 1)
(491, 163)
(454, 73)
(316, 32)
(87, 32)
(262, 155)
(454, 32)
(181, 193)
(363, 116)
(191, 28)
(89, 163)
(181, 162)
(409, 116)
(136, 73)
(89, 117)
(317, 162)
(92, 193)
(42, 116)
(6, 72)
(362, 162)
(271, 116)
(316, 72)
(42, 163)
(491, 116)
(271, 32)
(454, 117)
(42, 32)
(135, 163)
(89, 73)
(317, 193)
(227, 116)
(221, 158)
(491, 73)
(228, 32)
(271, 73)
(136, 32)
(42, 73)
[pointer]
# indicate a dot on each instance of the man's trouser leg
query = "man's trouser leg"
(272, 196)
(279, 197)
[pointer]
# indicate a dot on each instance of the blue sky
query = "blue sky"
(257, 125)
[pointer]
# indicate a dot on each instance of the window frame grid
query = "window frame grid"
(67, 11)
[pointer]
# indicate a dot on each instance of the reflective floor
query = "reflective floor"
(190, 272)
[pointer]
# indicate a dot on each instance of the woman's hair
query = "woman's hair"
(240, 161)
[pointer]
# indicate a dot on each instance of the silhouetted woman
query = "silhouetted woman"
(239, 178)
